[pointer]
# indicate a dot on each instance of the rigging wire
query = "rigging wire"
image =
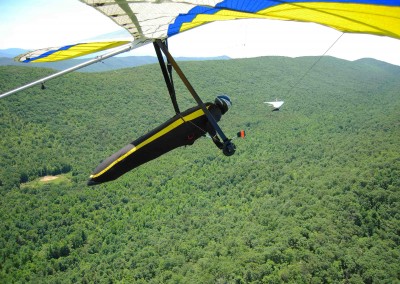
(314, 64)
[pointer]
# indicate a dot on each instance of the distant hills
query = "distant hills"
(11, 52)
(114, 63)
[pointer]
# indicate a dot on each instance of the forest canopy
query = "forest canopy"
(312, 194)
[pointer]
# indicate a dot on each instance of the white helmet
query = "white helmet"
(223, 102)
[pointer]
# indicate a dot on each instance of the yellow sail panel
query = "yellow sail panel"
(346, 17)
(67, 52)
(352, 18)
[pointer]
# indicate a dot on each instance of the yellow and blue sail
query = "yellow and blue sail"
(68, 51)
(357, 16)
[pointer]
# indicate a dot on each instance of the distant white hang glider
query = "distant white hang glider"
(275, 105)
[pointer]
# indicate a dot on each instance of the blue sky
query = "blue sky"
(33, 24)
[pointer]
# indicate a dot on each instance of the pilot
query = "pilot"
(181, 130)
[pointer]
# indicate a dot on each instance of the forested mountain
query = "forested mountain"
(312, 194)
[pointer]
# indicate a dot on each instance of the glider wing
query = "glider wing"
(150, 19)
(67, 52)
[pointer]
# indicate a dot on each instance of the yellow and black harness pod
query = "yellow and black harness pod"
(181, 130)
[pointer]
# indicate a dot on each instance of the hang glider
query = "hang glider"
(275, 105)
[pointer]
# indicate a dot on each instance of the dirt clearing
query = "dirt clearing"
(48, 178)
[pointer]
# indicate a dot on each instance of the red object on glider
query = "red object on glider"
(241, 134)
